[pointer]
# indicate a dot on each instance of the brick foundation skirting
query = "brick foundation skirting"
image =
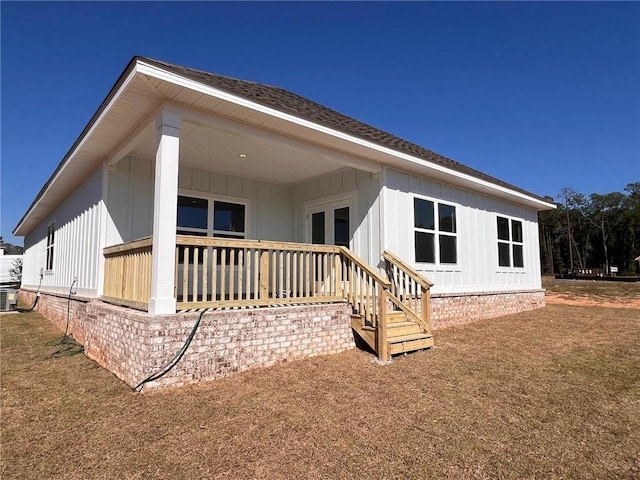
(456, 309)
(134, 345)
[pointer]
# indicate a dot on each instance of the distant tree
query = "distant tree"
(632, 223)
(15, 272)
(566, 195)
(574, 202)
(605, 213)
(551, 232)
(591, 231)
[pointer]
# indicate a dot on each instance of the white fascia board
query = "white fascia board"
(80, 144)
(182, 81)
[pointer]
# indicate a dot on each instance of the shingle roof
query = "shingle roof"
(288, 102)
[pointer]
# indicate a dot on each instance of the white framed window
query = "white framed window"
(510, 242)
(211, 217)
(229, 219)
(51, 240)
(435, 232)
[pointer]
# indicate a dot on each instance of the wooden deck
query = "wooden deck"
(391, 313)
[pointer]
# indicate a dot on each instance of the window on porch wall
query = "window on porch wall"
(212, 218)
(227, 219)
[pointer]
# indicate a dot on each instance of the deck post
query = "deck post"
(165, 206)
(425, 306)
(264, 274)
(337, 277)
(381, 326)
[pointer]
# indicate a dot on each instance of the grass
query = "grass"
(597, 290)
(553, 393)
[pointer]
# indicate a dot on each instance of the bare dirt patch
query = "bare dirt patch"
(592, 293)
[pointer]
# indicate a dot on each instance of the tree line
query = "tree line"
(591, 232)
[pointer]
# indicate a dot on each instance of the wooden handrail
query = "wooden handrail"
(362, 264)
(410, 291)
(387, 255)
(259, 244)
(128, 247)
(127, 273)
(408, 311)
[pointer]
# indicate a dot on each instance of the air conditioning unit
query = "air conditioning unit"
(8, 299)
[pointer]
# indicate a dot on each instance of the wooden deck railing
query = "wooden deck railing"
(127, 277)
(223, 272)
(409, 291)
(216, 272)
(219, 272)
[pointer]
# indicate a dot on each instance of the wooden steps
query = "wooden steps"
(398, 329)
(410, 343)
(402, 335)
(396, 316)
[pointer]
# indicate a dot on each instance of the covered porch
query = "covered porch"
(212, 207)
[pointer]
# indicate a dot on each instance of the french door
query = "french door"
(331, 223)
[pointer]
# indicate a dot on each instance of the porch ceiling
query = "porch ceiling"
(215, 149)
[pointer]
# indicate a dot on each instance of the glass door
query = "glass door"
(330, 223)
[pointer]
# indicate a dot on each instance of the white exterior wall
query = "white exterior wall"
(365, 188)
(477, 269)
(270, 206)
(77, 246)
(130, 200)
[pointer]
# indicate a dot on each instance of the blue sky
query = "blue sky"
(542, 95)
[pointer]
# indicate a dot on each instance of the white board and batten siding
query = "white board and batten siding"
(77, 245)
(269, 208)
(130, 200)
(364, 188)
(477, 268)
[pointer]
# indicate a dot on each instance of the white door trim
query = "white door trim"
(328, 204)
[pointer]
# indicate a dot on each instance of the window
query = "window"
(192, 215)
(228, 220)
(214, 218)
(510, 243)
(210, 218)
(51, 233)
(435, 232)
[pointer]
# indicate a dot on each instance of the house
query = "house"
(292, 224)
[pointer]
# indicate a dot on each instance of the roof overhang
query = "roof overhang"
(145, 86)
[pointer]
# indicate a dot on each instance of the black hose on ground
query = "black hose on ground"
(167, 368)
(67, 342)
(71, 292)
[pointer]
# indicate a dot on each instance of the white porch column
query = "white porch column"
(165, 205)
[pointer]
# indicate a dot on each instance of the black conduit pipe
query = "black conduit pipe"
(35, 302)
(67, 342)
(167, 368)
